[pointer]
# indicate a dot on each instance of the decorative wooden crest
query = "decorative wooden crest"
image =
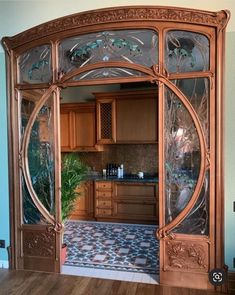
(120, 14)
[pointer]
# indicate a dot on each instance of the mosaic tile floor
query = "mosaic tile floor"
(113, 246)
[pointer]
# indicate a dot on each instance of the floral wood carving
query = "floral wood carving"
(39, 243)
(186, 255)
(95, 17)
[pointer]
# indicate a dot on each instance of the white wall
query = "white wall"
(17, 16)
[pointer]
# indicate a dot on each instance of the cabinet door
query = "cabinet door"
(78, 127)
(136, 119)
(106, 121)
(135, 202)
(84, 129)
(66, 130)
(84, 206)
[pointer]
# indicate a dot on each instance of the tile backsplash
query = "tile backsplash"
(134, 157)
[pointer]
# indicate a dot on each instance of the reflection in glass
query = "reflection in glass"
(186, 52)
(41, 156)
(108, 73)
(182, 156)
(197, 221)
(35, 65)
(197, 92)
(133, 46)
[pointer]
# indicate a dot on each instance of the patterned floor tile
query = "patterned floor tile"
(122, 247)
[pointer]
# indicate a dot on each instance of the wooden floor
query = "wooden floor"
(33, 283)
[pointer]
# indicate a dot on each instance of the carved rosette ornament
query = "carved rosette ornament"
(186, 255)
(149, 13)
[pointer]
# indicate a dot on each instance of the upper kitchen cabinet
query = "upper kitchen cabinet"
(106, 119)
(127, 116)
(78, 127)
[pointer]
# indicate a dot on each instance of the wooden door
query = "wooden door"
(186, 182)
(40, 219)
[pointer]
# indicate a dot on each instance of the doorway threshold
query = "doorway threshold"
(111, 274)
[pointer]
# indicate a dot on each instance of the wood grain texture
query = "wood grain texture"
(38, 283)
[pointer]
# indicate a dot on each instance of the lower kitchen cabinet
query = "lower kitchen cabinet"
(84, 206)
(135, 202)
(103, 199)
(126, 202)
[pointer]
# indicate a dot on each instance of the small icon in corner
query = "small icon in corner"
(217, 276)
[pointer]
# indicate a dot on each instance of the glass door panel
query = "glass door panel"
(40, 228)
(182, 156)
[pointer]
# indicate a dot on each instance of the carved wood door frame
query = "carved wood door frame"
(161, 20)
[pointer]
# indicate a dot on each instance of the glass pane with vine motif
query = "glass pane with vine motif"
(197, 91)
(105, 73)
(34, 66)
(132, 46)
(186, 52)
(182, 156)
(41, 156)
(197, 221)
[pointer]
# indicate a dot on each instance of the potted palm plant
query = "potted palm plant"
(73, 172)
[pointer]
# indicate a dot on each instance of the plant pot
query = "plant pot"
(63, 253)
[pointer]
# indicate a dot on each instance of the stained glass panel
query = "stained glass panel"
(186, 52)
(34, 66)
(133, 46)
(31, 214)
(29, 99)
(197, 221)
(197, 92)
(105, 73)
(182, 156)
(41, 156)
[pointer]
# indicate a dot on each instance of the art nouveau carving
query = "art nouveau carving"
(186, 255)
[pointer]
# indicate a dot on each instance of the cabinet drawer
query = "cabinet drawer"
(104, 194)
(104, 185)
(103, 212)
(103, 203)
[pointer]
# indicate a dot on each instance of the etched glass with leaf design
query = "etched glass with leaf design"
(131, 46)
(197, 92)
(186, 52)
(41, 156)
(182, 156)
(34, 66)
(105, 73)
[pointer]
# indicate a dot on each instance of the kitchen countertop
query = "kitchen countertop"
(124, 179)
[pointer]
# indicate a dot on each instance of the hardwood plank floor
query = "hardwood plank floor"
(36, 283)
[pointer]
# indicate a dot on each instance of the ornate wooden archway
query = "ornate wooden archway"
(35, 75)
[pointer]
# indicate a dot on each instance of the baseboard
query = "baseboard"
(231, 281)
(4, 264)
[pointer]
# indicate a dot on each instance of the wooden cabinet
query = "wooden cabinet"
(103, 198)
(106, 120)
(126, 202)
(127, 116)
(135, 202)
(84, 207)
(78, 127)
